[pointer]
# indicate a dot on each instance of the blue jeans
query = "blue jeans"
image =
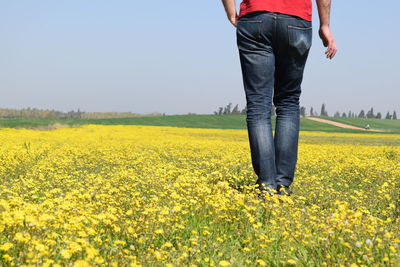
(273, 50)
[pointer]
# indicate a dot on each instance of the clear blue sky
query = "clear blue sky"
(180, 56)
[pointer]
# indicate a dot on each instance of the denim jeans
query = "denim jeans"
(273, 50)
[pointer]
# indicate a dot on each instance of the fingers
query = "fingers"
(334, 53)
(331, 51)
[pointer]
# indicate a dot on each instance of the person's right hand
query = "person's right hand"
(328, 41)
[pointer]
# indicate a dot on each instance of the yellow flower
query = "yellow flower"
(99, 260)
(66, 254)
(91, 252)
(177, 208)
(257, 225)
(261, 262)
(224, 263)
(119, 242)
(81, 263)
(7, 258)
(167, 245)
(22, 237)
(6, 246)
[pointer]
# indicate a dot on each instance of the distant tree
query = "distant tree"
(370, 113)
(228, 108)
(337, 114)
(378, 115)
(388, 116)
(73, 114)
(220, 110)
(236, 109)
(323, 110)
(344, 115)
(362, 114)
(303, 111)
(349, 114)
(312, 112)
(394, 115)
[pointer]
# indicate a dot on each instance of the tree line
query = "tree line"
(228, 110)
(34, 113)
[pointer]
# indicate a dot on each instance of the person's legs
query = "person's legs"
(292, 48)
(254, 36)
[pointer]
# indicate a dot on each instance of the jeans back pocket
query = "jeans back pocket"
(248, 31)
(300, 37)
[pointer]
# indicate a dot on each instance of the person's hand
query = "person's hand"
(328, 41)
(233, 20)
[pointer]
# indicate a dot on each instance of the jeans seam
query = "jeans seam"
(299, 28)
(258, 21)
(275, 32)
(277, 16)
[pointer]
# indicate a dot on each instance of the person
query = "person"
(274, 38)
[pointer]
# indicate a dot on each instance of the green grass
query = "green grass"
(28, 123)
(382, 124)
(192, 121)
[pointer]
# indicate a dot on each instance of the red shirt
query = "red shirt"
(300, 8)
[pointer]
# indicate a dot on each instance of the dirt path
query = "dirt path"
(342, 125)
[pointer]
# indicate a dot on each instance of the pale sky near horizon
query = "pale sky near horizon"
(176, 57)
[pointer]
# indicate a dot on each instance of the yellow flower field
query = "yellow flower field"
(166, 196)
